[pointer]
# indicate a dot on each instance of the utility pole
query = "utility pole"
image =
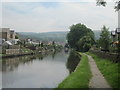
(118, 30)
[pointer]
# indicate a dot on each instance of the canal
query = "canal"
(39, 71)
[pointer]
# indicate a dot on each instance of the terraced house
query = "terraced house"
(8, 41)
(7, 34)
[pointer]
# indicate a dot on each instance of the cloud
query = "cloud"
(45, 17)
(53, 0)
(0, 15)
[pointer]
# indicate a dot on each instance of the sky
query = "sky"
(56, 15)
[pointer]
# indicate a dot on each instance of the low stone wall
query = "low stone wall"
(12, 51)
(16, 55)
(14, 47)
(115, 57)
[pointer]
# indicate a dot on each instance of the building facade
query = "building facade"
(7, 34)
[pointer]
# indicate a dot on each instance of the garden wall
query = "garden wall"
(115, 57)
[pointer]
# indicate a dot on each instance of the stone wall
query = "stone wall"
(12, 51)
(115, 57)
(14, 47)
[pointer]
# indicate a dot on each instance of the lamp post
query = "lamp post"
(118, 32)
(113, 34)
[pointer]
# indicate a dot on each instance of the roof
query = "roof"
(2, 41)
(7, 42)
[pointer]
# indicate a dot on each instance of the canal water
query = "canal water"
(39, 71)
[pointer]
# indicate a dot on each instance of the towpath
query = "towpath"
(97, 80)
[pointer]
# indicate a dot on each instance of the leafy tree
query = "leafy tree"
(42, 44)
(39, 44)
(53, 44)
(16, 37)
(85, 43)
(103, 3)
(24, 43)
(104, 40)
(76, 33)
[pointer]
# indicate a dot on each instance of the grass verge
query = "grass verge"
(109, 70)
(80, 78)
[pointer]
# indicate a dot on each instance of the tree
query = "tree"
(103, 3)
(54, 46)
(85, 43)
(16, 37)
(104, 40)
(76, 33)
(39, 44)
(42, 44)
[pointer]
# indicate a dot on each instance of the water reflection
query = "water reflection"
(73, 61)
(53, 54)
(37, 71)
(9, 64)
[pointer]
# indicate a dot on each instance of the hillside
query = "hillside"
(50, 36)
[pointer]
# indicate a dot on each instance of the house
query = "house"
(1, 41)
(14, 41)
(7, 34)
(7, 43)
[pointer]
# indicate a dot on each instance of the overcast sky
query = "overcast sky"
(57, 16)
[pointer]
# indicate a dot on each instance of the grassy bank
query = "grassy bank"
(108, 69)
(80, 78)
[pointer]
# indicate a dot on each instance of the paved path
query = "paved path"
(97, 80)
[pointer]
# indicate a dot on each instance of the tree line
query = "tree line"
(81, 38)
